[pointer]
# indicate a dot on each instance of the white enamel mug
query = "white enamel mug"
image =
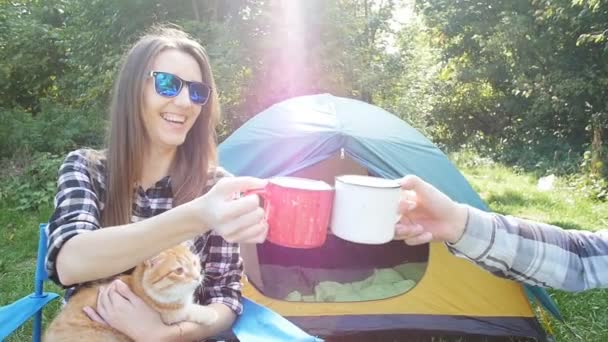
(365, 209)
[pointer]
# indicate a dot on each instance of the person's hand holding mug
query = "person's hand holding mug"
(428, 214)
(235, 218)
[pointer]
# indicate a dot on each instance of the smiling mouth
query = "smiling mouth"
(173, 118)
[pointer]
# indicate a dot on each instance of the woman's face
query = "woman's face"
(168, 120)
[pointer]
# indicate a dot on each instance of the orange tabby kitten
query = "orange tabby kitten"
(165, 282)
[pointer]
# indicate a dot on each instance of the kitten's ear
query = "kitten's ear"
(153, 261)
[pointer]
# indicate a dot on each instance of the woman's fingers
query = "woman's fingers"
(241, 206)
(118, 299)
(230, 185)
(102, 295)
(93, 315)
(243, 222)
(255, 233)
(124, 290)
(103, 301)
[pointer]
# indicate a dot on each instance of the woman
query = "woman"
(157, 184)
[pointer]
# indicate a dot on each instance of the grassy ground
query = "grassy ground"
(19, 236)
(504, 191)
(516, 194)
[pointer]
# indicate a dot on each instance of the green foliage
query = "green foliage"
(55, 129)
(593, 180)
(519, 81)
(31, 53)
(34, 186)
(523, 80)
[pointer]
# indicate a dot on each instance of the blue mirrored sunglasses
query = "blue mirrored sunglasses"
(169, 85)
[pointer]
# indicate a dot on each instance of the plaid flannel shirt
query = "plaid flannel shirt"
(79, 202)
(535, 253)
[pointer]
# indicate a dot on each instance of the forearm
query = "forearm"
(535, 253)
(112, 250)
(189, 331)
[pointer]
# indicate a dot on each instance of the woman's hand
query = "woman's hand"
(428, 214)
(124, 311)
(235, 218)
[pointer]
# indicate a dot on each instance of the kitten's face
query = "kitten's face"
(173, 274)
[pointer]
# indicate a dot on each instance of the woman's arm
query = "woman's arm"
(79, 251)
(104, 252)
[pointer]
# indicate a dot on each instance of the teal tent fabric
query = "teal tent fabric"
(297, 133)
(302, 131)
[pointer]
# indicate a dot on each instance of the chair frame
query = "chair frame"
(36, 301)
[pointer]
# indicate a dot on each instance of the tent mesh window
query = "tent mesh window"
(338, 271)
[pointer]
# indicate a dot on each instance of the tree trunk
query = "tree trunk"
(597, 157)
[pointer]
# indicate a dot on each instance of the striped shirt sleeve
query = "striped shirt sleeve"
(535, 253)
(76, 208)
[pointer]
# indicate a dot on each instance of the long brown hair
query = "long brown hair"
(127, 138)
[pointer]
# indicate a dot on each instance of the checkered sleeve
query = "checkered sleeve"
(76, 208)
(223, 271)
(223, 266)
(535, 253)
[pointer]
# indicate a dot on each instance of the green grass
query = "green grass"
(504, 190)
(19, 236)
(515, 194)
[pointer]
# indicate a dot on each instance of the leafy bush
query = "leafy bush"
(592, 180)
(13, 131)
(56, 129)
(576, 168)
(33, 185)
(32, 148)
(591, 186)
(469, 157)
(549, 156)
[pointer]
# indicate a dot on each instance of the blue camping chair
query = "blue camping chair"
(14, 315)
(256, 324)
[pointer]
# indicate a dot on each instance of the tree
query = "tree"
(518, 76)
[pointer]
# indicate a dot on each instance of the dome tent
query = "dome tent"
(319, 137)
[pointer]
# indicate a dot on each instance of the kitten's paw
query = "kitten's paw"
(203, 315)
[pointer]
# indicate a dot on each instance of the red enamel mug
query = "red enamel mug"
(297, 211)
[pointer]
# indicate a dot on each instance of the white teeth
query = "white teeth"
(173, 117)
